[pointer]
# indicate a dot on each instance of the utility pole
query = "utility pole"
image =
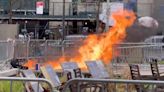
(10, 12)
(63, 21)
(97, 16)
(107, 15)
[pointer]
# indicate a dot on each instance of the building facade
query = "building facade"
(79, 14)
(158, 12)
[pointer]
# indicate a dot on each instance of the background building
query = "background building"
(158, 12)
(80, 15)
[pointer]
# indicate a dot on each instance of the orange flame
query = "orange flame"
(100, 47)
(30, 64)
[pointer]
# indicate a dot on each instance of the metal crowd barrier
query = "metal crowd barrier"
(38, 80)
(6, 49)
(138, 52)
(115, 83)
(44, 49)
(53, 49)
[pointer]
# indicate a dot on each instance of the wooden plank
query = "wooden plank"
(103, 70)
(93, 69)
(50, 74)
(45, 74)
(69, 65)
(97, 69)
(34, 85)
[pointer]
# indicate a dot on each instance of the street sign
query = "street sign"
(39, 7)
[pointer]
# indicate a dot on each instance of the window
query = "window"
(161, 11)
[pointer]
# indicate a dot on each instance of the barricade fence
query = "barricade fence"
(45, 49)
(139, 52)
(101, 85)
(23, 81)
(115, 85)
(53, 49)
(6, 49)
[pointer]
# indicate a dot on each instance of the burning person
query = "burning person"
(99, 47)
(103, 23)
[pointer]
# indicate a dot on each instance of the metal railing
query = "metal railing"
(6, 48)
(73, 8)
(22, 6)
(116, 82)
(138, 52)
(53, 49)
(24, 80)
(126, 84)
(36, 49)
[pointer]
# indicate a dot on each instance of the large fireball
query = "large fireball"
(100, 47)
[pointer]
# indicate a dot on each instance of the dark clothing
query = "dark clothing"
(15, 63)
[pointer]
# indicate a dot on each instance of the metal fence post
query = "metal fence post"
(38, 86)
(63, 47)
(46, 51)
(27, 50)
(78, 87)
(11, 83)
(7, 50)
(53, 8)
(161, 51)
(127, 87)
(63, 20)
